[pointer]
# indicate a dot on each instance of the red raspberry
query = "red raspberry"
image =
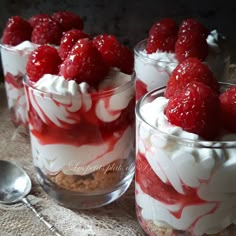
(43, 60)
(47, 32)
(191, 40)
(125, 60)
(141, 89)
(191, 44)
(68, 20)
(162, 36)
(187, 71)
(228, 108)
(84, 63)
(191, 25)
(36, 19)
(196, 109)
(114, 54)
(68, 40)
(108, 46)
(16, 31)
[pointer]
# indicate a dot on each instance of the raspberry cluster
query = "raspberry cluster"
(186, 40)
(195, 102)
(40, 28)
(65, 49)
(80, 57)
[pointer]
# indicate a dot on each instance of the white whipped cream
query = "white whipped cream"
(16, 100)
(66, 99)
(14, 60)
(84, 159)
(213, 40)
(73, 97)
(155, 69)
(210, 170)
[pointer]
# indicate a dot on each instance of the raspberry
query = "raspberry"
(108, 46)
(187, 71)
(191, 40)
(196, 109)
(84, 63)
(228, 108)
(141, 89)
(114, 54)
(16, 31)
(36, 19)
(162, 36)
(47, 32)
(191, 25)
(43, 60)
(125, 60)
(68, 40)
(68, 20)
(191, 44)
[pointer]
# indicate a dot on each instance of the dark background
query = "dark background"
(130, 20)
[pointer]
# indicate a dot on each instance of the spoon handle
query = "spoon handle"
(51, 227)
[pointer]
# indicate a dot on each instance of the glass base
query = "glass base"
(81, 200)
(152, 229)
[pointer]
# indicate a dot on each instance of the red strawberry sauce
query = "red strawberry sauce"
(87, 128)
(151, 184)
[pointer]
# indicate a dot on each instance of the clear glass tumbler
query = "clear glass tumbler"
(183, 186)
(83, 144)
(14, 68)
(154, 70)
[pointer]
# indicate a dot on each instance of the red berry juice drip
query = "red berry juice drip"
(152, 185)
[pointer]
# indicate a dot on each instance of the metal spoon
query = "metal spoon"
(15, 185)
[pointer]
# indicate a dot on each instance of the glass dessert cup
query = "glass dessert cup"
(183, 186)
(151, 73)
(83, 144)
(14, 67)
(154, 73)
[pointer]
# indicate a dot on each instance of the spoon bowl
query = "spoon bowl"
(15, 185)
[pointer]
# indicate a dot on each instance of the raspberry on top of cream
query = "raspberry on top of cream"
(168, 44)
(209, 170)
(73, 97)
(86, 98)
(183, 147)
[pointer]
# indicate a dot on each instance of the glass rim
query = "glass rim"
(12, 49)
(216, 144)
(115, 90)
(137, 50)
(138, 47)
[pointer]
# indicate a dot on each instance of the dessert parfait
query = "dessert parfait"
(81, 102)
(186, 160)
(20, 37)
(168, 44)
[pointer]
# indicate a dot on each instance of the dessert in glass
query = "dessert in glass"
(168, 44)
(20, 37)
(186, 159)
(81, 120)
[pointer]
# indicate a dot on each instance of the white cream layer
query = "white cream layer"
(155, 69)
(84, 159)
(73, 97)
(14, 60)
(57, 99)
(211, 171)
